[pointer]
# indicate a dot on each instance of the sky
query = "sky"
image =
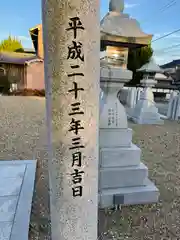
(157, 17)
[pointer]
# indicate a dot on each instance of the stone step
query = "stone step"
(122, 177)
(129, 196)
(115, 137)
(120, 156)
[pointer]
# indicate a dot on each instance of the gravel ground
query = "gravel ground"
(160, 152)
(22, 136)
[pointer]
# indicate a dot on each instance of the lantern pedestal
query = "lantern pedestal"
(123, 179)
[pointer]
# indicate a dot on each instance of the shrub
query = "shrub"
(28, 92)
(4, 85)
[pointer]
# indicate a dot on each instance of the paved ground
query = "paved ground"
(16, 191)
(22, 136)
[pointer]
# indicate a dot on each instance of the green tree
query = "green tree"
(11, 44)
(136, 59)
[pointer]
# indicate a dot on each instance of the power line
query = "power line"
(175, 55)
(166, 35)
(168, 48)
(168, 5)
(170, 53)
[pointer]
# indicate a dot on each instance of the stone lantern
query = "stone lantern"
(123, 179)
(145, 111)
(119, 32)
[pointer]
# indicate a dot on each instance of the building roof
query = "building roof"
(18, 58)
(38, 26)
(151, 66)
(172, 64)
(29, 50)
(34, 35)
(162, 77)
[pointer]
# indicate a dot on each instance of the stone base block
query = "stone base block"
(123, 176)
(163, 117)
(120, 157)
(115, 137)
(152, 121)
(145, 112)
(129, 196)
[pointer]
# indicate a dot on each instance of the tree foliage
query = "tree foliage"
(136, 59)
(11, 44)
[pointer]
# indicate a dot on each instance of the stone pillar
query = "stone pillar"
(113, 115)
(171, 105)
(177, 108)
(132, 97)
(71, 53)
(138, 94)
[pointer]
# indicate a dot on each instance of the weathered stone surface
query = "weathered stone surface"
(72, 217)
(115, 137)
(113, 114)
(120, 157)
(145, 111)
(13, 186)
(16, 191)
(12, 171)
(8, 206)
(117, 24)
(122, 176)
(130, 196)
(5, 230)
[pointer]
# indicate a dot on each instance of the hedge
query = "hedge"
(28, 92)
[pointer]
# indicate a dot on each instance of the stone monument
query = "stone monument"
(71, 47)
(173, 112)
(145, 111)
(123, 179)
